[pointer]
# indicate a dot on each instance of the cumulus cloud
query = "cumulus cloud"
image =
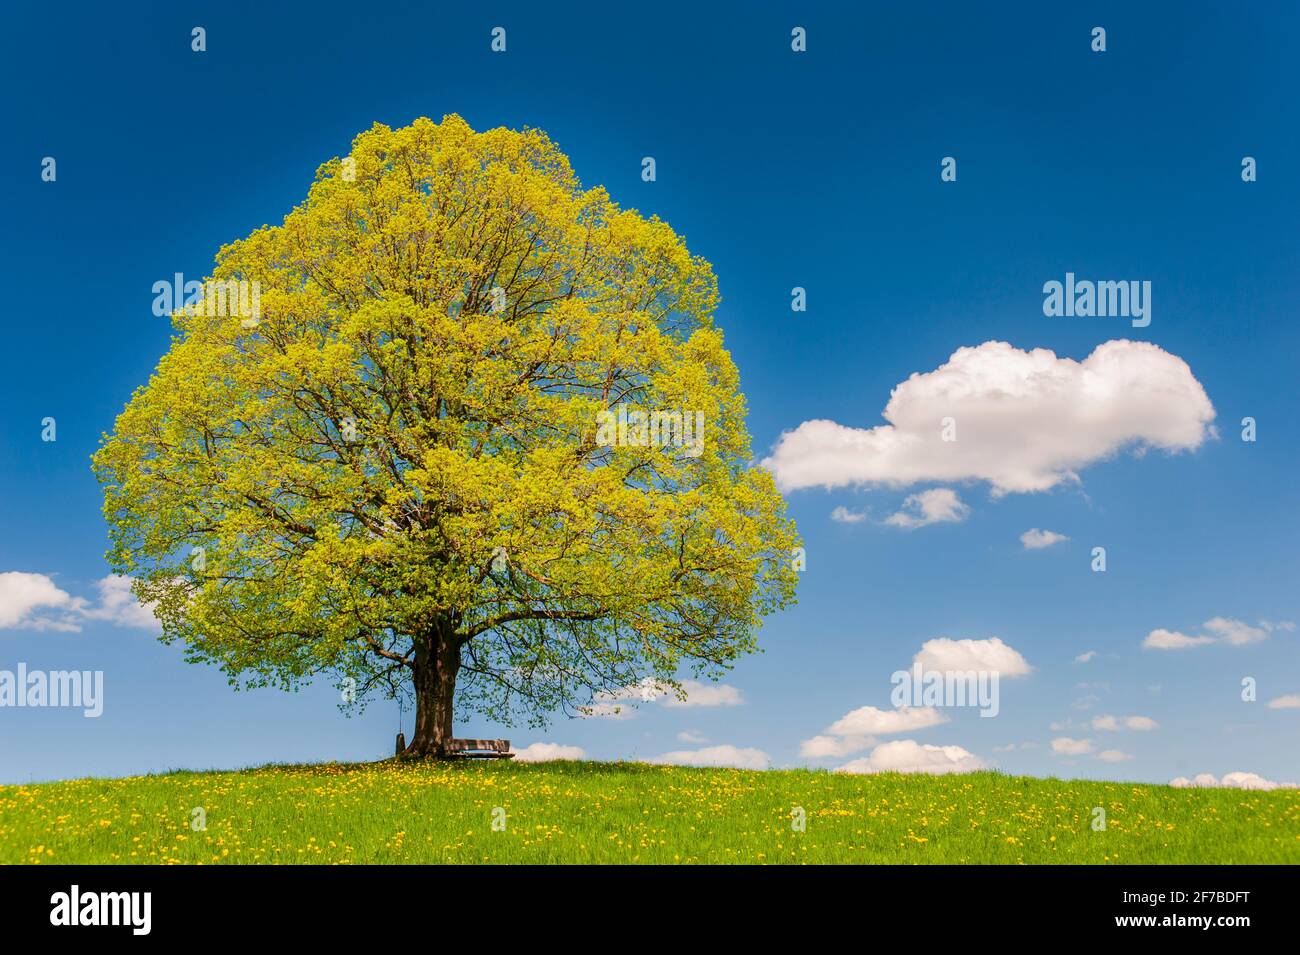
(23, 596)
(1161, 639)
(939, 505)
(856, 730)
(1085, 657)
(35, 602)
(1114, 756)
(1035, 539)
(693, 737)
(725, 755)
(1223, 630)
(987, 655)
(118, 605)
(909, 756)
(1115, 723)
(867, 720)
(1065, 746)
(843, 515)
(1234, 631)
(1289, 702)
(1236, 780)
(1024, 421)
(547, 752)
(705, 694)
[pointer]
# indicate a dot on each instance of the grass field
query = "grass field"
(632, 812)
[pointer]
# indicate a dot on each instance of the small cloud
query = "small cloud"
(725, 755)
(1236, 780)
(548, 752)
(1162, 639)
(118, 606)
(1116, 723)
(1225, 630)
(692, 737)
(843, 515)
(979, 655)
(1289, 702)
(1035, 539)
(867, 720)
(938, 505)
(1235, 632)
(23, 599)
(34, 602)
(1065, 746)
(909, 756)
(1114, 756)
(705, 694)
(857, 729)
(1085, 656)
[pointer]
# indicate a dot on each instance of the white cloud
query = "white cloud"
(1065, 746)
(843, 515)
(705, 694)
(1035, 539)
(1025, 421)
(1162, 639)
(909, 756)
(725, 755)
(938, 505)
(1289, 702)
(987, 655)
(1115, 723)
(1220, 630)
(1114, 756)
(692, 737)
(867, 720)
(118, 605)
(22, 594)
(1234, 631)
(1085, 657)
(34, 602)
(546, 752)
(857, 729)
(1236, 780)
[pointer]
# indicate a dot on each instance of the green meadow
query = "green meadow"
(499, 812)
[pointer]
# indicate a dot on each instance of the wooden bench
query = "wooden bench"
(479, 749)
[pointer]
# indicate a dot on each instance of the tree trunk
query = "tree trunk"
(437, 659)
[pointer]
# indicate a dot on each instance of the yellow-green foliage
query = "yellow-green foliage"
(348, 464)
(634, 813)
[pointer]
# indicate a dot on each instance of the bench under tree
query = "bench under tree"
(479, 748)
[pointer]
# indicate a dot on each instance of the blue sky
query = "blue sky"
(819, 170)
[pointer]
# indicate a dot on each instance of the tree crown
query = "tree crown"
(416, 440)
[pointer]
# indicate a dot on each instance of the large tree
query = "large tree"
(402, 471)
